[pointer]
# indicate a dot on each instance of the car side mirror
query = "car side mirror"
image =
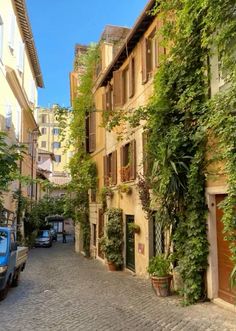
(13, 246)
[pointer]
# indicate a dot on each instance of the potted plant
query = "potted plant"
(112, 241)
(159, 270)
(133, 227)
(124, 188)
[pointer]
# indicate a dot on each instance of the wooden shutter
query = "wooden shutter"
(105, 174)
(144, 61)
(131, 78)
(114, 168)
(133, 159)
(92, 131)
(117, 91)
(121, 163)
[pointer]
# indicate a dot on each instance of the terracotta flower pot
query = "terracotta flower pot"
(111, 266)
(162, 285)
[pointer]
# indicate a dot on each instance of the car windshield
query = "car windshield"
(43, 234)
(3, 242)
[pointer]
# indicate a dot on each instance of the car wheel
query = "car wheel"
(16, 280)
(3, 293)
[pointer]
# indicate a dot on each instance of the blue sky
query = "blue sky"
(59, 24)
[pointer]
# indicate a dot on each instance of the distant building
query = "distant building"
(54, 152)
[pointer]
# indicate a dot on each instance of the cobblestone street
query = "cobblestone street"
(60, 290)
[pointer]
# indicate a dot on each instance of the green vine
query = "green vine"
(82, 168)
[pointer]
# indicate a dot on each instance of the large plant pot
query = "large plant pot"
(111, 266)
(162, 285)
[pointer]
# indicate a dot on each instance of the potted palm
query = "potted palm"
(159, 270)
(112, 241)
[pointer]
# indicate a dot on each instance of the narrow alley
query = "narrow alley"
(61, 290)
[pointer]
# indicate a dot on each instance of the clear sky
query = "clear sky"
(59, 24)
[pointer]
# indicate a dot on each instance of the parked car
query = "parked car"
(44, 239)
(53, 233)
(12, 260)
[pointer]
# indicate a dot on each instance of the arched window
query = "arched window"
(1, 38)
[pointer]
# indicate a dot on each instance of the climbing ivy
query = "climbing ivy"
(82, 168)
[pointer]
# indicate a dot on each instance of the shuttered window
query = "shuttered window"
(152, 51)
(110, 169)
(11, 37)
(117, 89)
(128, 161)
(131, 77)
(92, 131)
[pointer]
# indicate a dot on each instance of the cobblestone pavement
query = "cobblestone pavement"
(60, 290)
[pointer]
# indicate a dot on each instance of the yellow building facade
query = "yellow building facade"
(51, 141)
(20, 76)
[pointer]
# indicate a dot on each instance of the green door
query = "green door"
(130, 244)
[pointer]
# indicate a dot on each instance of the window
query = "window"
(91, 132)
(43, 144)
(128, 161)
(39, 158)
(55, 131)
(8, 116)
(18, 122)
(151, 53)
(132, 81)
(110, 169)
(11, 37)
(123, 85)
(43, 130)
(56, 144)
(58, 158)
(94, 228)
(1, 38)
(125, 81)
(3, 242)
(43, 118)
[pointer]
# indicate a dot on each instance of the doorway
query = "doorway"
(130, 244)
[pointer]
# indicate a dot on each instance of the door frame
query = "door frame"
(126, 233)
(213, 270)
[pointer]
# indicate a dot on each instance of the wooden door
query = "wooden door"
(100, 232)
(225, 265)
(130, 244)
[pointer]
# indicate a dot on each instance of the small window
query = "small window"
(39, 158)
(58, 158)
(8, 114)
(128, 161)
(43, 144)
(56, 144)
(110, 169)
(11, 37)
(55, 131)
(125, 85)
(44, 118)
(43, 130)
(1, 38)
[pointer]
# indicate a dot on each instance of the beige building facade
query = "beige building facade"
(20, 76)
